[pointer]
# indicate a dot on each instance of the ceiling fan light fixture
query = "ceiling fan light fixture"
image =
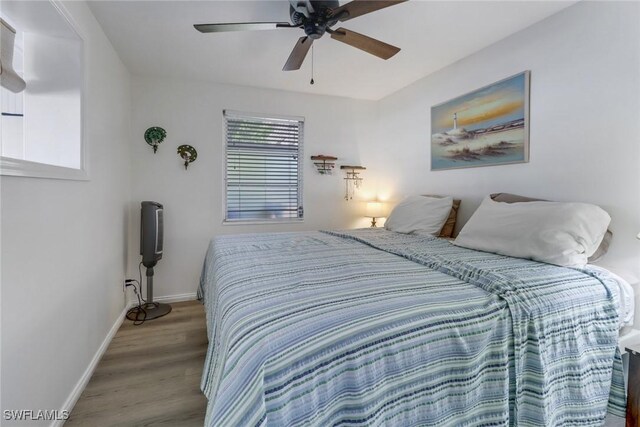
(315, 30)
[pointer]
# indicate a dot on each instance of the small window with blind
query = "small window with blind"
(263, 173)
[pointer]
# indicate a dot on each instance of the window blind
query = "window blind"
(263, 169)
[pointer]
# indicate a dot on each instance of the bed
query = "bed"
(373, 327)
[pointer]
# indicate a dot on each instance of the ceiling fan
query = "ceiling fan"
(317, 17)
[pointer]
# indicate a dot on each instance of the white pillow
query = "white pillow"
(419, 214)
(564, 234)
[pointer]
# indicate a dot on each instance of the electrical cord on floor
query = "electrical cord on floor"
(138, 313)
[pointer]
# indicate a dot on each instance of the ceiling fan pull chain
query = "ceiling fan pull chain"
(312, 56)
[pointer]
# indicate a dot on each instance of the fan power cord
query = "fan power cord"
(138, 312)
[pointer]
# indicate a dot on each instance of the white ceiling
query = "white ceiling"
(156, 38)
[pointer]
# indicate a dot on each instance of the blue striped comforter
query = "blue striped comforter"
(370, 327)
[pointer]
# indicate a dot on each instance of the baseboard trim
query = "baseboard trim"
(177, 298)
(192, 296)
(84, 380)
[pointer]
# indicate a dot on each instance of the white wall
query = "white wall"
(585, 124)
(191, 113)
(64, 249)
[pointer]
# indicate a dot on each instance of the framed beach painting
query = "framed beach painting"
(486, 127)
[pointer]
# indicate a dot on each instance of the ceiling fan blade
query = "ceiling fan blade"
(362, 42)
(241, 26)
(299, 52)
(357, 8)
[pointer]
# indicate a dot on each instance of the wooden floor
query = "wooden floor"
(150, 374)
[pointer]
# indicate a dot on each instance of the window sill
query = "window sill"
(24, 168)
(263, 222)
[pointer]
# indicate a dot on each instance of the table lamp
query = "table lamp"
(375, 210)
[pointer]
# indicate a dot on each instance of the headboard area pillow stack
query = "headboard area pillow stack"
(514, 198)
(564, 234)
(420, 214)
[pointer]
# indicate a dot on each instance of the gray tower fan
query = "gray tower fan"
(151, 235)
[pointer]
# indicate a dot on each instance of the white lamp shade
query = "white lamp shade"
(375, 210)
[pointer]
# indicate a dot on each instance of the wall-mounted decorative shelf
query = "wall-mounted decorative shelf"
(324, 164)
(352, 180)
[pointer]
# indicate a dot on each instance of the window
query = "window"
(41, 128)
(263, 173)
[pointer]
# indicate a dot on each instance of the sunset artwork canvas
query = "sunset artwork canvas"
(489, 126)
